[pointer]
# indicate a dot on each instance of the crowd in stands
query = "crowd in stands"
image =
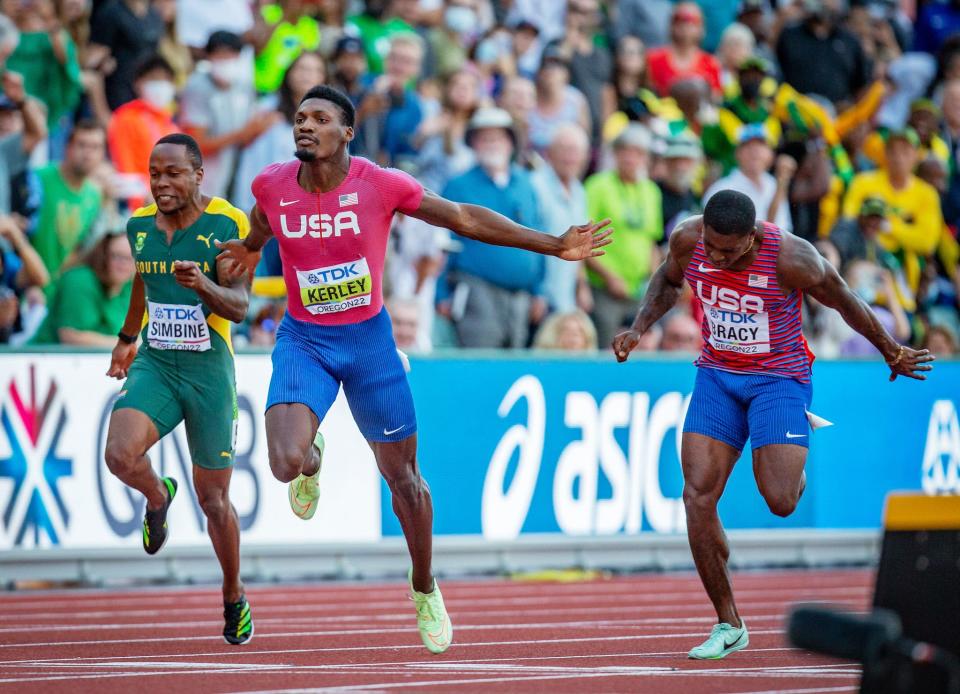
(840, 119)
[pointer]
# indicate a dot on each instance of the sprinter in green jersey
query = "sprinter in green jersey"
(182, 303)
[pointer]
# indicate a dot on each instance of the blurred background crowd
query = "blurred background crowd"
(841, 120)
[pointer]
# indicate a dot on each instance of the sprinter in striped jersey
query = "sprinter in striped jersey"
(753, 379)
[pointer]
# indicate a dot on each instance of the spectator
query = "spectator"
(627, 196)
(281, 32)
(128, 31)
(377, 27)
(756, 16)
(809, 185)
(391, 111)
(736, 45)
(917, 223)
(350, 69)
(95, 61)
(263, 327)
(568, 332)
(70, 199)
(490, 291)
(405, 317)
(682, 156)
(527, 48)
(648, 20)
(589, 62)
(683, 57)
(217, 108)
(171, 48)
(441, 140)
(91, 299)
(47, 58)
(754, 157)
(681, 333)
(941, 342)
(875, 287)
(20, 269)
(450, 43)
(22, 127)
(519, 99)
(630, 77)
(558, 101)
(546, 15)
(562, 200)
(924, 118)
(138, 124)
(276, 143)
(840, 70)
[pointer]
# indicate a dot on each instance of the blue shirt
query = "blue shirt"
(561, 208)
(400, 125)
(509, 268)
(936, 22)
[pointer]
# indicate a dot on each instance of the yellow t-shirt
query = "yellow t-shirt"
(916, 221)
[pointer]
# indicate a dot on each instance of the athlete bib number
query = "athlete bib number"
(335, 288)
(735, 331)
(177, 326)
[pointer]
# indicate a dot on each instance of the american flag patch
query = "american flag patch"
(757, 281)
(349, 199)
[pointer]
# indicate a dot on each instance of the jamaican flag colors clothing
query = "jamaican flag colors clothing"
(184, 370)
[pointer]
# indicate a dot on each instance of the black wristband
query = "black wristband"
(126, 339)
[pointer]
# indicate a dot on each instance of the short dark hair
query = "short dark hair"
(224, 39)
(150, 63)
(730, 213)
(193, 149)
(85, 125)
(341, 100)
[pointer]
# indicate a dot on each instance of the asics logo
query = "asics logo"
(795, 436)
(704, 268)
(284, 203)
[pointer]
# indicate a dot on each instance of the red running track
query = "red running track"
(620, 635)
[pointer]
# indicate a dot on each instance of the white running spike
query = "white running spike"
(817, 422)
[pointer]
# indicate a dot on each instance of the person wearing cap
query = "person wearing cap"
(683, 57)
(752, 177)
(493, 293)
(562, 197)
(818, 56)
(681, 158)
(218, 109)
(626, 195)
(349, 63)
(557, 100)
(916, 221)
(925, 117)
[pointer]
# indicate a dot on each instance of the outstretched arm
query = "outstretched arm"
(800, 266)
(246, 252)
(482, 224)
(664, 289)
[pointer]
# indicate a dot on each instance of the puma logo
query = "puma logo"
(205, 239)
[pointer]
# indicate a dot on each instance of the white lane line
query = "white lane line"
(317, 601)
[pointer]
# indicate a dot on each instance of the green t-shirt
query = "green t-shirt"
(376, 37)
(286, 44)
(65, 218)
(81, 303)
(57, 86)
(220, 221)
(636, 212)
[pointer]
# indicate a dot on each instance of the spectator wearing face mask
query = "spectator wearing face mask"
(218, 109)
(451, 42)
(138, 124)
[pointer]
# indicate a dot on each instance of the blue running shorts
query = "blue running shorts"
(732, 407)
(310, 362)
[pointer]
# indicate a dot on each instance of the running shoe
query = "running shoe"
(155, 522)
(434, 624)
(724, 640)
(304, 492)
(237, 622)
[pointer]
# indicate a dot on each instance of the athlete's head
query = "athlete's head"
(176, 170)
(323, 124)
(729, 227)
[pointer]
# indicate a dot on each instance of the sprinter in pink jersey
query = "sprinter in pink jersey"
(753, 379)
(331, 214)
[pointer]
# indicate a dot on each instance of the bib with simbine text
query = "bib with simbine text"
(177, 326)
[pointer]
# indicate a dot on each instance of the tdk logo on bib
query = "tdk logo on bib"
(177, 313)
(334, 274)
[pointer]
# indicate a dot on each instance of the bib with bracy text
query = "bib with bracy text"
(335, 288)
(738, 331)
(177, 326)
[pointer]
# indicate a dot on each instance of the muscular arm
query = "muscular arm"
(800, 266)
(229, 297)
(665, 286)
(260, 231)
(482, 224)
